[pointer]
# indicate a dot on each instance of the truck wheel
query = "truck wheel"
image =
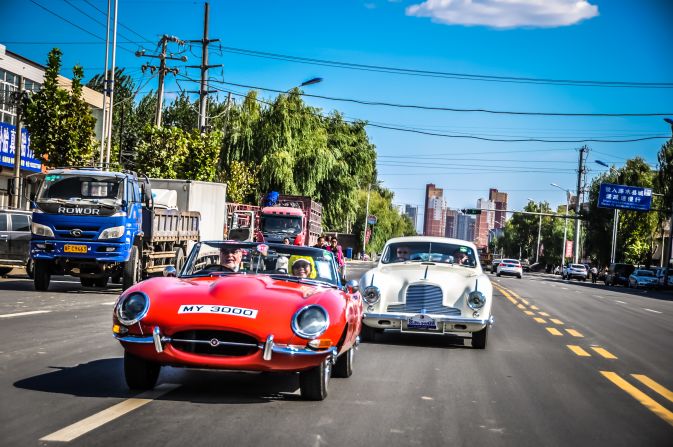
(116, 278)
(344, 364)
(87, 282)
(30, 268)
(5, 270)
(101, 282)
(313, 383)
(42, 275)
(132, 269)
(479, 338)
(140, 374)
(179, 259)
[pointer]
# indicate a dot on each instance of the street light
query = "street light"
(305, 83)
(615, 220)
(539, 230)
(565, 227)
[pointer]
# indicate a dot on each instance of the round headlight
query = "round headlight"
(371, 295)
(476, 300)
(310, 321)
(132, 308)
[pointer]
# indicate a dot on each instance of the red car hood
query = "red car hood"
(273, 303)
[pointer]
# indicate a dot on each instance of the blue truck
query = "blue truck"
(100, 225)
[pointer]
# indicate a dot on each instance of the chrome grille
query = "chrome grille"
(424, 299)
(220, 343)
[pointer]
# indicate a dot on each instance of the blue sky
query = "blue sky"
(612, 40)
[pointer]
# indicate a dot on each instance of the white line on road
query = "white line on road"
(21, 314)
(84, 426)
(650, 310)
(107, 304)
(620, 302)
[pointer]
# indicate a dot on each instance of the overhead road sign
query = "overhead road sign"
(625, 197)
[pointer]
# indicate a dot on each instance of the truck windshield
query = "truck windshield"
(281, 224)
(81, 188)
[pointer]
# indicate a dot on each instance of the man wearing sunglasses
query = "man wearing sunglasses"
(230, 258)
(402, 253)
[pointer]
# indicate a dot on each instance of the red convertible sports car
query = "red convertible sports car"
(243, 306)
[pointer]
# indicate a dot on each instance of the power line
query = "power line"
(145, 39)
(441, 74)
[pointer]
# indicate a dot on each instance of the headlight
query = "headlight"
(310, 321)
(41, 230)
(476, 300)
(132, 308)
(112, 233)
(371, 295)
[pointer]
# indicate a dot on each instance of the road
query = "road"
(567, 363)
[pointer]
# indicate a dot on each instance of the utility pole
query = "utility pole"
(364, 237)
(112, 90)
(203, 91)
(578, 204)
(105, 89)
(16, 189)
(163, 70)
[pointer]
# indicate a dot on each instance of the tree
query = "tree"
(161, 151)
(60, 124)
(241, 180)
(202, 153)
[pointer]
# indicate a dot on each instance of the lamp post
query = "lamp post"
(565, 227)
(539, 230)
(615, 220)
(305, 83)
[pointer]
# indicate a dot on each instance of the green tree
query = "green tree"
(162, 151)
(241, 180)
(182, 113)
(203, 151)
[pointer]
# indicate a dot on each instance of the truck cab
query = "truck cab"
(280, 222)
(88, 223)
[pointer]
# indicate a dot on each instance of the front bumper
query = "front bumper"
(445, 324)
(506, 271)
(97, 251)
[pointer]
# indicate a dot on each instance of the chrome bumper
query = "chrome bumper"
(268, 348)
(447, 322)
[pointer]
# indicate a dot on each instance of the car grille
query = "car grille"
(424, 299)
(209, 342)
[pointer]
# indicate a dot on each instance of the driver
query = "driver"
(402, 253)
(230, 258)
(301, 268)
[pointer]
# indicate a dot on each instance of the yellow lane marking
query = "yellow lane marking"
(574, 333)
(528, 312)
(534, 307)
(524, 301)
(507, 295)
(540, 320)
(641, 397)
(544, 314)
(668, 394)
(84, 426)
(579, 351)
(604, 352)
(521, 306)
(554, 331)
(556, 321)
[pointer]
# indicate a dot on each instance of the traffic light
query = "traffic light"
(471, 211)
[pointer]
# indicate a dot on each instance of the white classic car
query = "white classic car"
(431, 285)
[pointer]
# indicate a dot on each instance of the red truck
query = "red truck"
(298, 218)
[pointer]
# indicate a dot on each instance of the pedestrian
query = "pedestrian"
(321, 242)
(594, 274)
(335, 248)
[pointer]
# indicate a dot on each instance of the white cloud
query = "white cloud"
(505, 13)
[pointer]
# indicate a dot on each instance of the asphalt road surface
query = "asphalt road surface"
(567, 363)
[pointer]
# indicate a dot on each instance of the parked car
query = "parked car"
(510, 267)
(14, 241)
(494, 265)
(578, 271)
(618, 273)
(267, 315)
(661, 273)
(525, 265)
(642, 278)
(429, 285)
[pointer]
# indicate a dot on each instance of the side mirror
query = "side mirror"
(352, 286)
(170, 272)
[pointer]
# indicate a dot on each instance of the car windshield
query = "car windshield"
(510, 261)
(305, 264)
(78, 187)
(644, 273)
(437, 252)
(281, 224)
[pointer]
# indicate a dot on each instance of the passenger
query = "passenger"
(460, 258)
(230, 258)
(286, 241)
(301, 268)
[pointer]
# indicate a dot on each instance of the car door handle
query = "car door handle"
(4, 236)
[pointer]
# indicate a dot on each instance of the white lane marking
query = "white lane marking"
(86, 425)
(598, 296)
(620, 302)
(21, 314)
(107, 304)
(564, 288)
(650, 310)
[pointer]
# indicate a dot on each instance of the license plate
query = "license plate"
(421, 322)
(68, 248)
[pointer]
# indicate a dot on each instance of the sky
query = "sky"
(447, 54)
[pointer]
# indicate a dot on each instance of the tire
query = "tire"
(132, 269)
(5, 270)
(343, 368)
(314, 382)
(519, 276)
(30, 269)
(367, 333)
(42, 275)
(498, 275)
(87, 282)
(179, 259)
(479, 338)
(116, 278)
(140, 374)
(101, 282)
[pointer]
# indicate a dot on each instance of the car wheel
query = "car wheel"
(42, 275)
(343, 367)
(30, 269)
(132, 267)
(519, 276)
(313, 383)
(5, 270)
(497, 274)
(367, 333)
(87, 282)
(479, 338)
(140, 374)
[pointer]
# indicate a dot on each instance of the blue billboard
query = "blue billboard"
(7, 144)
(625, 197)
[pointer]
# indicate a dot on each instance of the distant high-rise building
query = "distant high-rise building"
(434, 217)
(464, 227)
(451, 220)
(484, 222)
(412, 212)
(471, 225)
(499, 199)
